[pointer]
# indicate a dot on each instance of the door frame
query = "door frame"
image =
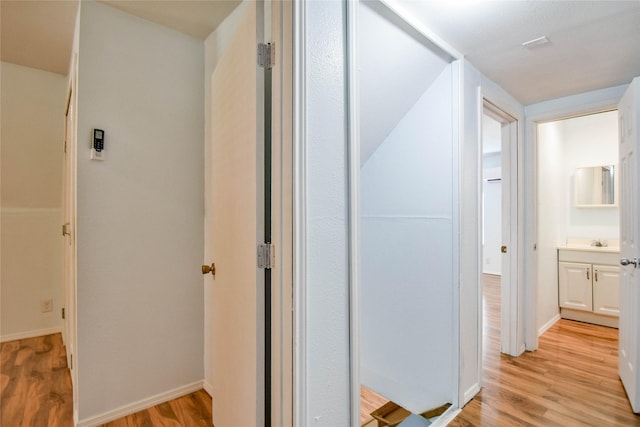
(511, 322)
(548, 111)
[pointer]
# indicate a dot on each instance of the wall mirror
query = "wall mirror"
(595, 186)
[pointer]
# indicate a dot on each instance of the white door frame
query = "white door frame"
(564, 108)
(282, 404)
(512, 319)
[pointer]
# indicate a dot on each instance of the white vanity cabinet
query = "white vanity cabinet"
(588, 286)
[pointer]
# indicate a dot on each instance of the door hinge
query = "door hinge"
(63, 316)
(71, 367)
(66, 229)
(266, 255)
(266, 55)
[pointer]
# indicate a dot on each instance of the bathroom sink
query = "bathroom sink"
(589, 248)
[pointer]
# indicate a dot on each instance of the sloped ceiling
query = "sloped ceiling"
(39, 33)
(395, 69)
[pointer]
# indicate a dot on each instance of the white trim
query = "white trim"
(396, 8)
(208, 387)
(448, 416)
(300, 404)
(471, 392)
(512, 296)
(544, 328)
(353, 173)
(30, 334)
(140, 405)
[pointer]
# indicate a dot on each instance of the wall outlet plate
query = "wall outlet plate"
(46, 305)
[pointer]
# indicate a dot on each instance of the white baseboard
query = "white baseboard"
(140, 405)
(208, 387)
(29, 334)
(470, 393)
(549, 324)
(447, 417)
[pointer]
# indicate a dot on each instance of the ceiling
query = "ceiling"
(593, 44)
(39, 33)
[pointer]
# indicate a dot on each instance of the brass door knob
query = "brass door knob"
(206, 269)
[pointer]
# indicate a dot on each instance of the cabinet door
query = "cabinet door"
(606, 290)
(574, 280)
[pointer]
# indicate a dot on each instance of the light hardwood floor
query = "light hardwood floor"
(36, 384)
(571, 380)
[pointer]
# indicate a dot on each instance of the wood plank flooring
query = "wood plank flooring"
(571, 380)
(36, 383)
(191, 410)
(369, 402)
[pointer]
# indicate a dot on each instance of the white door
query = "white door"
(235, 304)
(629, 356)
(68, 233)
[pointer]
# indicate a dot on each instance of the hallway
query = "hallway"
(571, 380)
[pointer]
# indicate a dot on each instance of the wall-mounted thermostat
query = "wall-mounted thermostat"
(97, 145)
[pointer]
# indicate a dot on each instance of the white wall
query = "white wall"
(322, 289)
(32, 134)
(470, 176)
(407, 256)
(139, 212)
(589, 141)
(551, 206)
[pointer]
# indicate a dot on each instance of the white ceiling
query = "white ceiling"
(594, 44)
(39, 33)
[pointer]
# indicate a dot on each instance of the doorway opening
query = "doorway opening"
(499, 240)
(407, 176)
(573, 215)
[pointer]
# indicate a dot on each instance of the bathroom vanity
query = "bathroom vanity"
(589, 282)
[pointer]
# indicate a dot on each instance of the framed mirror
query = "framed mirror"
(595, 186)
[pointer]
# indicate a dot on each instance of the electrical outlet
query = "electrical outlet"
(46, 305)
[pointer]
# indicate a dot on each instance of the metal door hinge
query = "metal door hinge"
(266, 255)
(266, 55)
(71, 367)
(63, 316)
(66, 229)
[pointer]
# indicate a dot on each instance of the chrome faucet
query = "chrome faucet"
(599, 243)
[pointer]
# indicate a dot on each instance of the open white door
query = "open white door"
(68, 233)
(236, 359)
(629, 356)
